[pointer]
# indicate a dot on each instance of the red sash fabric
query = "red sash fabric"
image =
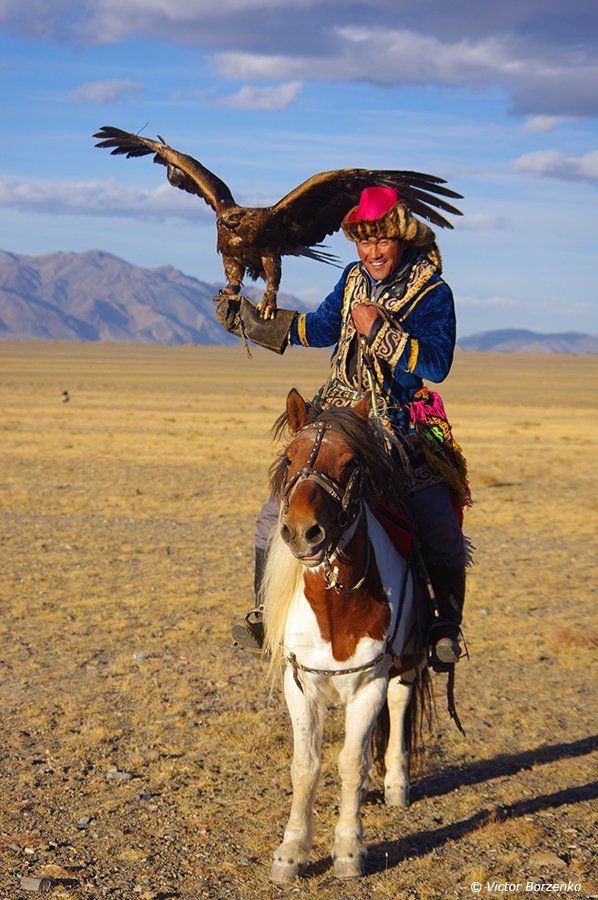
(399, 527)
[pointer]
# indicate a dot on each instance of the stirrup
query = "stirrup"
(249, 631)
(445, 651)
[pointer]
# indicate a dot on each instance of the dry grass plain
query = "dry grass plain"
(126, 542)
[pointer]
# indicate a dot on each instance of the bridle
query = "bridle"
(345, 495)
(342, 494)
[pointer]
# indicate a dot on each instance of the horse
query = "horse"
(340, 609)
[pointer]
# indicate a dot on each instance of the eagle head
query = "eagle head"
(231, 218)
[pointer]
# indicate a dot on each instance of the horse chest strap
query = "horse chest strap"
(299, 667)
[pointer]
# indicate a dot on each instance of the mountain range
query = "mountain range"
(95, 296)
(519, 340)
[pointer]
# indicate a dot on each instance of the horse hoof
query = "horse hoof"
(284, 873)
(349, 867)
(397, 797)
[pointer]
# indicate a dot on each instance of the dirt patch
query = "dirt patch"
(143, 756)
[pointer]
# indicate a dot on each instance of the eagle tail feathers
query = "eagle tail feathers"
(318, 252)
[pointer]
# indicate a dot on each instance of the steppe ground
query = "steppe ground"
(126, 535)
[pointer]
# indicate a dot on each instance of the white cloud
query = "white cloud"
(114, 20)
(266, 98)
(104, 91)
(388, 56)
(546, 62)
(480, 222)
(497, 301)
(383, 56)
(103, 198)
(552, 164)
(541, 124)
(113, 198)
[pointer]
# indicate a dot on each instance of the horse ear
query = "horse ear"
(296, 410)
(363, 408)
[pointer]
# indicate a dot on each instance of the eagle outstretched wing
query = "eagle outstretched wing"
(317, 207)
(183, 171)
(253, 240)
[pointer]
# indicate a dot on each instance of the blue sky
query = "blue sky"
(500, 100)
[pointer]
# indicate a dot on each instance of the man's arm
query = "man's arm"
(424, 343)
(322, 327)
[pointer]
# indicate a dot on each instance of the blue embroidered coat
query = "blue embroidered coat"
(415, 338)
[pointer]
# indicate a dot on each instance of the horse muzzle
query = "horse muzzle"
(307, 543)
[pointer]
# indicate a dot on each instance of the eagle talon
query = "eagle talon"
(266, 311)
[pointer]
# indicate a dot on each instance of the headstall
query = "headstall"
(344, 495)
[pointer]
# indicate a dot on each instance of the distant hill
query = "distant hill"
(518, 340)
(95, 296)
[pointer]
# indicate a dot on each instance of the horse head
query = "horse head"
(333, 456)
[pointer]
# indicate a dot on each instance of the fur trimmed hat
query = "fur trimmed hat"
(380, 214)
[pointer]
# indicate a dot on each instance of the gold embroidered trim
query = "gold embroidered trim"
(413, 354)
(389, 343)
(302, 328)
(420, 275)
(350, 284)
(356, 289)
(419, 297)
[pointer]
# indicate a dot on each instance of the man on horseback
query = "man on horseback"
(392, 319)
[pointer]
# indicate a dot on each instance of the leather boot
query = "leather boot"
(249, 631)
(449, 590)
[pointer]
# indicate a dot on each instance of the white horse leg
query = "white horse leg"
(353, 766)
(396, 758)
(307, 719)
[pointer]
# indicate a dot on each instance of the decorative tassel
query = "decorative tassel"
(445, 456)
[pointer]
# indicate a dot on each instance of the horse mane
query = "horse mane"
(281, 580)
(365, 438)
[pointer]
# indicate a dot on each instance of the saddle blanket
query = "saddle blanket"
(398, 526)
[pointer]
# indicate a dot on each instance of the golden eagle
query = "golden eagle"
(254, 240)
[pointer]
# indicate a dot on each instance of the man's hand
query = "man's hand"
(364, 317)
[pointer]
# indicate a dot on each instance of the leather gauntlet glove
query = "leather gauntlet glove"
(273, 334)
(227, 313)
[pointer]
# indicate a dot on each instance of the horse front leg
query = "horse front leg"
(307, 719)
(396, 758)
(353, 766)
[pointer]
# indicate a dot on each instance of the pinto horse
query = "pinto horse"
(339, 607)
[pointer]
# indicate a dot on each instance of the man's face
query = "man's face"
(380, 257)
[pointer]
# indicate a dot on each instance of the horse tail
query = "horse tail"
(380, 736)
(418, 718)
